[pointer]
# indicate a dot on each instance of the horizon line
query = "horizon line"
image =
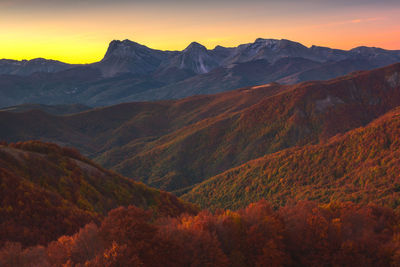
(177, 50)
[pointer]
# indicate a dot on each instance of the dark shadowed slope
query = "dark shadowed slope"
(104, 128)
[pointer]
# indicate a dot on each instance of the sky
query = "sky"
(79, 31)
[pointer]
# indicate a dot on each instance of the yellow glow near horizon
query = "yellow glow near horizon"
(83, 37)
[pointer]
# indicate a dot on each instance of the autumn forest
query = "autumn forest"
(213, 133)
(271, 175)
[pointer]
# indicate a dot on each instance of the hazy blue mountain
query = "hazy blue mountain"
(130, 57)
(133, 72)
(28, 67)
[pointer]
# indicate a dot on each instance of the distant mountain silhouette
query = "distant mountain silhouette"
(133, 72)
(28, 67)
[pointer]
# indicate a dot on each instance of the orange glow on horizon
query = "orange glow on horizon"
(83, 37)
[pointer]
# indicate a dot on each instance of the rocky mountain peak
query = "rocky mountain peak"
(125, 48)
(195, 46)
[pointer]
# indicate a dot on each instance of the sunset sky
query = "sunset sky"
(78, 31)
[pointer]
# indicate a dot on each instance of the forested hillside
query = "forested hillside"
(47, 191)
(360, 166)
(173, 145)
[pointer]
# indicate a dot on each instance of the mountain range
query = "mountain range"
(175, 144)
(286, 173)
(133, 72)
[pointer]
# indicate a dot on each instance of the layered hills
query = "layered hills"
(133, 72)
(176, 144)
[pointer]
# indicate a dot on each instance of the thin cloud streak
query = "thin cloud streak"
(346, 22)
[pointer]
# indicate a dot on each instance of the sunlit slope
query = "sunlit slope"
(360, 166)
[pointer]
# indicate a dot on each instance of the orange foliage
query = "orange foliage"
(361, 166)
(32, 215)
(47, 191)
(307, 234)
(175, 144)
